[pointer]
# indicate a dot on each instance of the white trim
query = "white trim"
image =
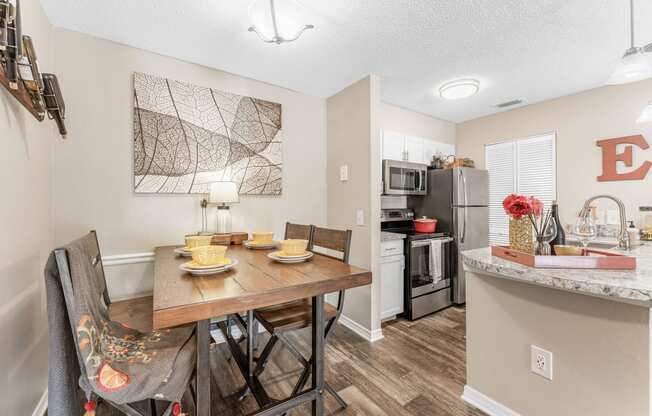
(121, 259)
(486, 404)
(371, 336)
(42, 405)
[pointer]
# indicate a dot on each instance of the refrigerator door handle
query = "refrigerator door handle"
(466, 198)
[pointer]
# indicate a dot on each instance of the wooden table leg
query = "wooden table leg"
(318, 354)
(203, 369)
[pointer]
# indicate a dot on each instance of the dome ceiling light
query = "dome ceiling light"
(636, 64)
(277, 21)
(459, 88)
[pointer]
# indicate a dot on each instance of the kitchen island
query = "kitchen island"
(596, 324)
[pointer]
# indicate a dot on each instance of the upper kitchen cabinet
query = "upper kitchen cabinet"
(414, 149)
(432, 147)
(400, 146)
(393, 146)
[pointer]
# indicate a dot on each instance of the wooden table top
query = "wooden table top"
(255, 282)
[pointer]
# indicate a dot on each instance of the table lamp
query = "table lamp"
(222, 194)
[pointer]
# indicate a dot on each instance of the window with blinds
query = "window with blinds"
(523, 166)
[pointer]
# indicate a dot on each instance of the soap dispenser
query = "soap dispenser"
(634, 234)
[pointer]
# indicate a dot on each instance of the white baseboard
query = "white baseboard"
(486, 404)
(121, 259)
(42, 405)
(371, 336)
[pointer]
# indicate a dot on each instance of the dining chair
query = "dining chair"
(279, 320)
(298, 231)
(127, 337)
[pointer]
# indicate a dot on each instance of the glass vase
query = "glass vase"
(542, 247)
(520, 235)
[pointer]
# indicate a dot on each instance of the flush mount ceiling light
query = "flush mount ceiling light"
(646, 114)
(459, 88)
(636, 64)
(277, 21)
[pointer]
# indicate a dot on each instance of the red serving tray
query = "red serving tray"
(591, 259)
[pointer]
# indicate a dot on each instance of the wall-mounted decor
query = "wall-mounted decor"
(186, 137)
(611, 157)
(19, 70)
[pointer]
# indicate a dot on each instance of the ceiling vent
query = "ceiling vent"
(510, 103)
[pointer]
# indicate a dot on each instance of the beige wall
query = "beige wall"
(400, 120)
(93, 170)
(579, 121)
(600, 350)
(27, 235)
(354, 140)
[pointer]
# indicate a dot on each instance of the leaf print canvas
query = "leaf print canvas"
(186, 137)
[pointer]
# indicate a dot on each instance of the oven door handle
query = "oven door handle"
(423, 243)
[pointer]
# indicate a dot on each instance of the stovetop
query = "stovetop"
(413, 235)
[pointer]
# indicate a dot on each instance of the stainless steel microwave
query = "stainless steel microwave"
(404, 178)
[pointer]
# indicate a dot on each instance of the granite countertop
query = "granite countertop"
(387, 236)
(632, 286)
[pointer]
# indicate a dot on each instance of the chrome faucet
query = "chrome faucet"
(623, 238)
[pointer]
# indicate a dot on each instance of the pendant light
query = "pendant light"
(636, 64)
(277, 21)
(646, 114)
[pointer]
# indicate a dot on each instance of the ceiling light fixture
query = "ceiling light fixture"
(459, 88)
(276, 21)
(646, 114)
(636, 64)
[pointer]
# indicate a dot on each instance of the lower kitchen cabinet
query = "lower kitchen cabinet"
(391, 285)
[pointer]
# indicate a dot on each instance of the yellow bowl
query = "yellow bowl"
(263, 237)
(294, 247)
(193, 241)
(568, 250)
(209, 255)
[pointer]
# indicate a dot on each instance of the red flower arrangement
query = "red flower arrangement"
(518, 206)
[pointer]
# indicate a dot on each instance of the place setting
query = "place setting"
(261, 241)
(292, 251)
(208, 260)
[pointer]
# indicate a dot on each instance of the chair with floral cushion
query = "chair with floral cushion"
(116, 363)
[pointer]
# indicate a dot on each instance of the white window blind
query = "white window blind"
(524, 166)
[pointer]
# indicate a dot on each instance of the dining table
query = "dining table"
(255, 281)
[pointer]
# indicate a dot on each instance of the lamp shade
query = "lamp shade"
(224, 193)
(646, 114)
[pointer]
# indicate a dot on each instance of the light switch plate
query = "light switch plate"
(344, 173)
(359, 217)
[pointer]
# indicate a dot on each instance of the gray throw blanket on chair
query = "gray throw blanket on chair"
(117, 363)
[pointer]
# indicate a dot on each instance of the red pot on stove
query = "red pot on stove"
(425, 225)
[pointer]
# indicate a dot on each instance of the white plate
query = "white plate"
(305, 255)
(256, 246)
(206, 272)
(290, 260)
(183, 252)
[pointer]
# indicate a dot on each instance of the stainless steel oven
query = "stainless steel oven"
(428, 279)
(404, 178)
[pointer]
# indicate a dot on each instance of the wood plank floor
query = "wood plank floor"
(417, 369)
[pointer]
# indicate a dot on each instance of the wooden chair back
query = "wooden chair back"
(298, 231)
(334, 240)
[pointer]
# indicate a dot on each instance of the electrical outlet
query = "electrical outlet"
(613, 217)
(541, 362)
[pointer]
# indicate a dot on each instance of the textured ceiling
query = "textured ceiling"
(532, 49)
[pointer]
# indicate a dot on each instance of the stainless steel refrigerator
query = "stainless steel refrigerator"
(459, 200)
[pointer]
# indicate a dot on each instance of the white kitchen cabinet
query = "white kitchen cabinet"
(399, 146)
(393, 145)
(414, 149)
(433, 147)
(392, 281)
